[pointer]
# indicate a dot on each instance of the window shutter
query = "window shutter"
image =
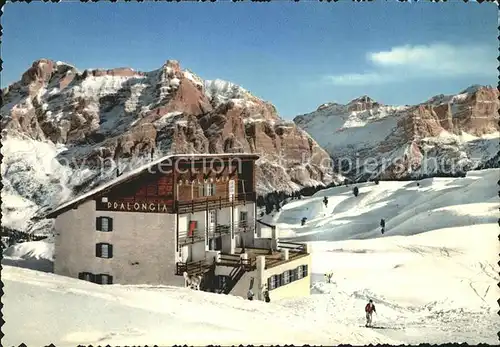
(104, 279)
(299, 272)
(81, 276)
(98, 250)
(110, 251)
(213, 189)
(98, 223)
(110, 224)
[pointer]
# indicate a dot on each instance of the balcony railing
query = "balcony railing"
(225, 229)
(192, 268)
(213, 202)
(234, 260)
(188, 238)
(293, 246)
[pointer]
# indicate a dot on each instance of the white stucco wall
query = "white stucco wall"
(224, 216)
(184, 220)
(198, 251)
(249, 207)
(248, 236)
(144, 249)
(297, 288)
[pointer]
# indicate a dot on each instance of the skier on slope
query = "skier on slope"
(369, 309)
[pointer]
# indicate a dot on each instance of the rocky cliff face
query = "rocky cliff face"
(125, 116)
(444, 135)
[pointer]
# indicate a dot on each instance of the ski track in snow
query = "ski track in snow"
(432, 277)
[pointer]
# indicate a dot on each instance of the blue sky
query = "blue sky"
(295, 55)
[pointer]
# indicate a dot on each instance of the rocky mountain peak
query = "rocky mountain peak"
(121, 114)
(453, 128)
(362, 103)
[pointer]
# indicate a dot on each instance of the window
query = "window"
(86, 276)
(298, 273)
(243, 217)
(304, 270)
(212, 216)
(273, 282)
(104, 250)
(285, 277)
(104, 224)
(222, 281)
(207, 189)
(104, 279)
(210, 189)
(301, 271)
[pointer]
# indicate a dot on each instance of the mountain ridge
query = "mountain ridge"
(122, 117)
(462, 128)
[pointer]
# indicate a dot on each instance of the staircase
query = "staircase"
(235, 275)
(240, 266)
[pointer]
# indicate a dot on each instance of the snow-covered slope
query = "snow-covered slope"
(68, 312)
(33, 180)
(446, 134)
(220, 91)
(432, 277)
(408, 209)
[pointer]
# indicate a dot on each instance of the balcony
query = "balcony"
(190, 238)
(193, 268)
(225, 229)
(213, 202)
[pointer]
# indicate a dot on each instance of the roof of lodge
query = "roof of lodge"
(133, 173)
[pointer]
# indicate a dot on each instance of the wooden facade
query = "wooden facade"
(185, 185)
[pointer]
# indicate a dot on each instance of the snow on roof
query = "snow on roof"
(120, 179)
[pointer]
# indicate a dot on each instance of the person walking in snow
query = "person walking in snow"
(382, 226)
(325, 201)
(369, 309)
(250, 295)
(266, 296)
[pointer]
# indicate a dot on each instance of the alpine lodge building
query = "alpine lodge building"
(192, 213)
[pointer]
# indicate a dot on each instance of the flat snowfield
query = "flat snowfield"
(432, 277)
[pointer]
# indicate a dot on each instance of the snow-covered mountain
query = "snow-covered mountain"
(446, 134)
(64, 131)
